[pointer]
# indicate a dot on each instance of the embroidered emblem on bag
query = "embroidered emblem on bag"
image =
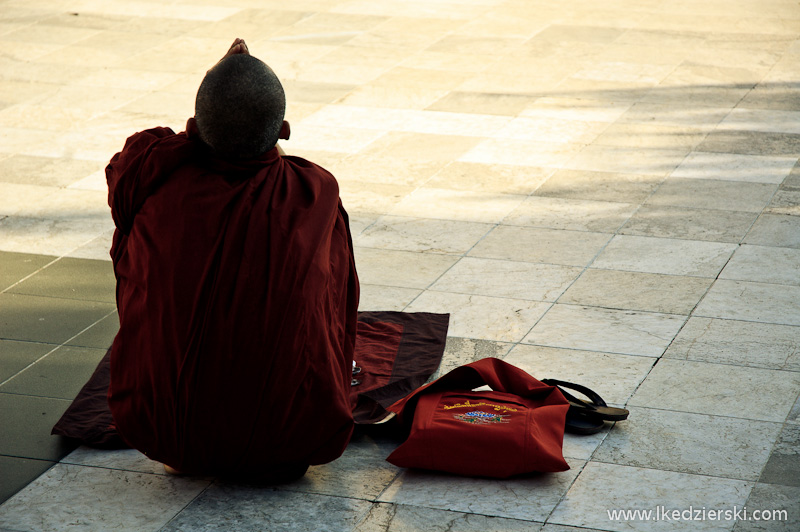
(469, 404)
(478, 417)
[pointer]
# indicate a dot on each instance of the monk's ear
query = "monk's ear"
(285, 131)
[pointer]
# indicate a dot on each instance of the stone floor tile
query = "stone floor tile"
(764, 264)
(670, 115)
(751, 143)
(384, 517)
(71, 278)
(614, 377)
(224, 507)
(598, 186)
(624, 72)
(571, 214)
(405, 269)
(606, 330)
(390, 169)
(782, 504)
(362, 472)
(26, 422)
(60, 374)
(664, 255)
(625, 160)
(561, 528)
(48, 319)
(775, 230)
(419, 146)
(691, 87)
(150, 500)
(422, 235)
(783, 466)
(16, 356)
(753, 168)
(449, 62)
(17, 198)
(713, 194)
(118, 459)
(408, 75)
(689, 223)
(530, 244)
(48, 237)
(17, 266)
(461, 351)
(561, 32)
(481, 102)
(522, 153)
(461, 43)
(494, 178)
(749, 301)
(119, 78)
(769, 121)
(377, 297)
(704, 388)
(509, 279)
(787, 199)
(500, 78)
(95, 181)
(361, 198)
(529, 498)
(359, 222)
(14, 91)
(100, 335)
(383, 94)
(669, 294)
(741, 343)
(550, 129)
(583, 446)
(602, 488)
(794, 414)
(481, 317)
(456, 205)
(310, 92)
(775, 91)
(646, 136)
(575, 108)
(345, 140)
(627, 91)
(38, 72)
(690, 443)
(18, 473)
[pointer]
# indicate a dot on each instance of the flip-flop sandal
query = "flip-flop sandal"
(582, 425)
(596, 409)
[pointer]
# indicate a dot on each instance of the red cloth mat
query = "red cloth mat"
(396, 351)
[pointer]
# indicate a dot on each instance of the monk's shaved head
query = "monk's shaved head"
(240, 107)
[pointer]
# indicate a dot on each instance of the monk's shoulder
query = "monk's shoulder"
(142, 139)
(306, 169)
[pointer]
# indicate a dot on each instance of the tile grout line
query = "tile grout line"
(64, 343)
(31, 274)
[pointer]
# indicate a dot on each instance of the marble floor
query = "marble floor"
(602, 192)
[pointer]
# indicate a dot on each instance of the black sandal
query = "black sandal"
(582, 425)
(595, 410)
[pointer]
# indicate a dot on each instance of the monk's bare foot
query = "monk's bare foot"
(171, 470)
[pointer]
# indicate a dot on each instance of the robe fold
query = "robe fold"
(237, 295)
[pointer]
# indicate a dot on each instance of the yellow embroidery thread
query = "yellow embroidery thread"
(468, 404)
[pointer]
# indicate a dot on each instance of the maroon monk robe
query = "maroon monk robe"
(237, 295)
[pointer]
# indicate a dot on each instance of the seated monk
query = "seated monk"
(236, 289)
